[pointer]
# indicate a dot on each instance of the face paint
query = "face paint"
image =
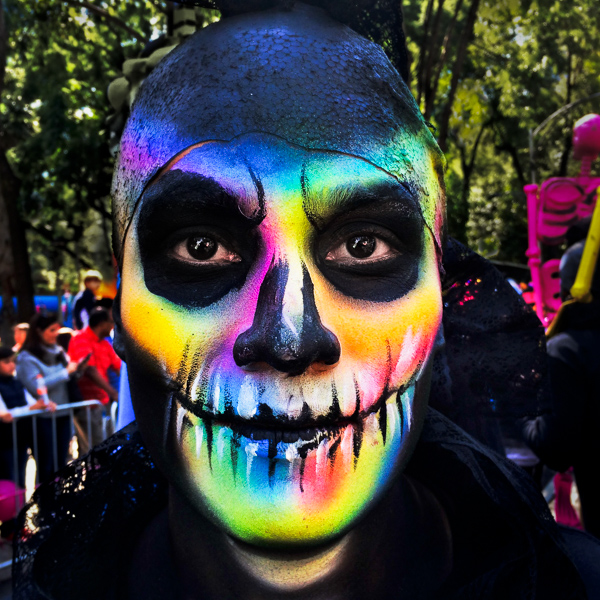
(279, 306)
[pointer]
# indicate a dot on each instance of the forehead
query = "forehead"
(294, 74)
(260, 175)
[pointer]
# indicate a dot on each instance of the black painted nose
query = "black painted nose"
(276, 341)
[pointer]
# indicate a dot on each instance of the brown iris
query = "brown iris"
(361, 246)
(202, 247)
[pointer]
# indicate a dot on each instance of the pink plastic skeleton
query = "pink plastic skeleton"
(553, 208)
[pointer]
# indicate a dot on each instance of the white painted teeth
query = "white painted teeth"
(322, 463)
(347, 446)
(392, 419)
(216, 380)
(199, 438)
(247, 403)
(216, 395)
(407, 400)
(221, 439)
(347, 396)
(250, 454)
(179, 425)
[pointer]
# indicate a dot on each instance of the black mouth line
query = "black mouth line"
(267, 426)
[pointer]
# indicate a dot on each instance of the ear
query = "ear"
(118, 343)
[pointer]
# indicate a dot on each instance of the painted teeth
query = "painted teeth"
(181, 412)
(199, 437)
(329, 444)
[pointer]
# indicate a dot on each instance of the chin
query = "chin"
(274, 482)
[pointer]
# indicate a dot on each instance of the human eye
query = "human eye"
(201, 248)
(197, 265)
(361, 248)
(376, 260)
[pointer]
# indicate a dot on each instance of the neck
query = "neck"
(291, 572)
(403, 544)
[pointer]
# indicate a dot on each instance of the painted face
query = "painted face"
(279, 306)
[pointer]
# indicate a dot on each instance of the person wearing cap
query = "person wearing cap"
(15, 401)
(94, 384)
(85, 300)
(568, 436)
(20, 335)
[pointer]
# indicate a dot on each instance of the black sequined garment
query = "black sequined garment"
(76, 537)
(491, 369)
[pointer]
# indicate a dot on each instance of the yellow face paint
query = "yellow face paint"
(277, 380)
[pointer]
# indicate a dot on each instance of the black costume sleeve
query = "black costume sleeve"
(556, 437)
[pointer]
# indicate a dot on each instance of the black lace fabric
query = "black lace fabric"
(81, 526)
(491, 369)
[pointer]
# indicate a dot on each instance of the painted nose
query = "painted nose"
(287, 332)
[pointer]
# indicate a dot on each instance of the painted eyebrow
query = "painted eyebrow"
(176, 190)
(321, 207)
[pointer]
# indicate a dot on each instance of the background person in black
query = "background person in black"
(13, 400)
(568, 437)
(85, 301)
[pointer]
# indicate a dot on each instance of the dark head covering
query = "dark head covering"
(569, 265)
(6, 352)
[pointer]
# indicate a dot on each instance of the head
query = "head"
(101, 322)
(92, 281)
(7, 362)
(278, 211)
(20, 333)
(569, 265)
(43, 331)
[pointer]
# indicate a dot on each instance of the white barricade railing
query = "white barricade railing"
(61, 410)
(34, 415)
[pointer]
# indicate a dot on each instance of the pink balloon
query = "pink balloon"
(586, 137)
(12, 499)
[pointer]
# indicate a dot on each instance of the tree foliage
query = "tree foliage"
(524, 59)
(484, 73)
(61, 57)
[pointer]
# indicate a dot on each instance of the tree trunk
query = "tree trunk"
(461, 55)
(9, 196)
(23, 283)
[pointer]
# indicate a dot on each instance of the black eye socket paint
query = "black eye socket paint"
(383, 280)
(182, 206)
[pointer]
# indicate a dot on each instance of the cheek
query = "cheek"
(385, 341)
(174, 337)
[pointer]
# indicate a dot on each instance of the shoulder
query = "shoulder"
(26, 358)
(79, 341)
(90, 515)
(492, 504)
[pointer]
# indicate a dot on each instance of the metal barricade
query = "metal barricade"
(34, 415)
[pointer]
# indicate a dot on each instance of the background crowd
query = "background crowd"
(50, 368)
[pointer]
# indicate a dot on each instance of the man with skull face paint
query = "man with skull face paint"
(279, 211)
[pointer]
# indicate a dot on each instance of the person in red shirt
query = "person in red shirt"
(94, 383)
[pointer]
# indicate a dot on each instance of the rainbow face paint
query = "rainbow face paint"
(279, 305)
